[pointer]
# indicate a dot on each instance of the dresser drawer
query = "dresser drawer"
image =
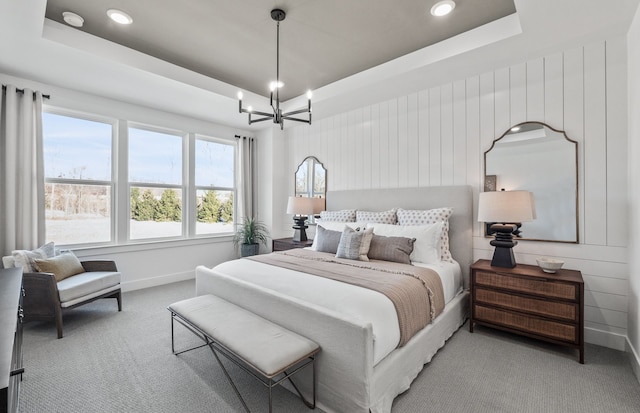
(530, 324)
(561, 310)
(527, 285)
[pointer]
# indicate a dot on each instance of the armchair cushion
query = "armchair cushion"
(86, 283)
(62, 266)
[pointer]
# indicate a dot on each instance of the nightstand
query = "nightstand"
(283, 244)
(527, 301)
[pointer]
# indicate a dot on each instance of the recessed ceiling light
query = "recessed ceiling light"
(119, 16)
(72, 19)
(442, 8)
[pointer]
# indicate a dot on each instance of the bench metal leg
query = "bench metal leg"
(208, 342)
(235, 389)
(311, 405)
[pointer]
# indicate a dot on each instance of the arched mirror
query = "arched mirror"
(535, 157)
(311, 178)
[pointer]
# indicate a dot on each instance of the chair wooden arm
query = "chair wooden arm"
(41, 300)
(99, 265)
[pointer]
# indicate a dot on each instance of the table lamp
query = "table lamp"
(301, 208)
(506, 209)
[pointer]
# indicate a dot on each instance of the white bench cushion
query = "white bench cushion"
(266, 346)
(83, 284)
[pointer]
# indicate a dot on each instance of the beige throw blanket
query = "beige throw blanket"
(415, 292)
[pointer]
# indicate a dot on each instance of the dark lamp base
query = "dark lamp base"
(300, 234)
(504, 243)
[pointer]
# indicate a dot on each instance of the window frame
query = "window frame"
(112, 184)
(195, 188)
(186, 166)
(120, 186)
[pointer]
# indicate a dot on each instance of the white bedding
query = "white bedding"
(352, 301)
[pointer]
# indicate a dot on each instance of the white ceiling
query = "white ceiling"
(45, 51)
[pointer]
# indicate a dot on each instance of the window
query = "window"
(215, 183)
(149, 184)
(155, 184)
(78, 179)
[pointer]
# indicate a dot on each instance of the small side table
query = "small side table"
(527, 301)
(283, 244)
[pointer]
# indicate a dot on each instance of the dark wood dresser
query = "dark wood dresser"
(527, 301)
(283, 244)
(10, 338)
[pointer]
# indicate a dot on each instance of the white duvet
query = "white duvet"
(350, 300)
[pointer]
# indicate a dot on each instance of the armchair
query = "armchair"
(45, 298)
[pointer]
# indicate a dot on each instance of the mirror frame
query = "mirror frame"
(575, 143)
(314, 162)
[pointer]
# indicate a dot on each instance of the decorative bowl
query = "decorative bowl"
(549, 265)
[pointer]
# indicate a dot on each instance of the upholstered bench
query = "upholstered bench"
(250, 341)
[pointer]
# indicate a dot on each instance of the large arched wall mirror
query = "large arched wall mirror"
(535, 157)
(311, 178)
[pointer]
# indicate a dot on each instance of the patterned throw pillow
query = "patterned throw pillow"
(344, 215)
(430, 216)
(354, 245)
(384, 217)
(25, 258)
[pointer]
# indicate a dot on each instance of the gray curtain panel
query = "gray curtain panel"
(247, 183)
(21, 170)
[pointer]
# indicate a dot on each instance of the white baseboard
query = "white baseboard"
(634, 360)
(605, 339)
(156, 281)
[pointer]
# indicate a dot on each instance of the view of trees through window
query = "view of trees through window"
(78, 185)
(214, 179)
(80, 191)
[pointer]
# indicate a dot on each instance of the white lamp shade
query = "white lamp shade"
(298, 205)
(506, 207)
(318, 205)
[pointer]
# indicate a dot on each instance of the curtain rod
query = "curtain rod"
(243, 137)
(4, 87)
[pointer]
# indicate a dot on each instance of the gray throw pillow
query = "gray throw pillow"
(354, 245)
(327, 240)
(394, 249)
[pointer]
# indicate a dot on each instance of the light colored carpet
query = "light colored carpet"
(122, 362)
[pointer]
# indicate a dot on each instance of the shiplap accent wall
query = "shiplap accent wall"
(438, 137)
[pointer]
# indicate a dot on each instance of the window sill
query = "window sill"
(147, 245)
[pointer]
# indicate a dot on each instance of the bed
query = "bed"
(351, 375)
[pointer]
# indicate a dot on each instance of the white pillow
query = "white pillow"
(24, 258)
(426, 249)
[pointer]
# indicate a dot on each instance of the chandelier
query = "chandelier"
(278, 117)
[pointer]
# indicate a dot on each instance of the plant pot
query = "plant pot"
(246, 250)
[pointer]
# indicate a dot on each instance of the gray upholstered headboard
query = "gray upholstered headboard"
(460, 198)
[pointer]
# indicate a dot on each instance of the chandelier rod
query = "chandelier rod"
(278, 70)
(278, 117)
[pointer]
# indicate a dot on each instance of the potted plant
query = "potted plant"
(250, 234)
